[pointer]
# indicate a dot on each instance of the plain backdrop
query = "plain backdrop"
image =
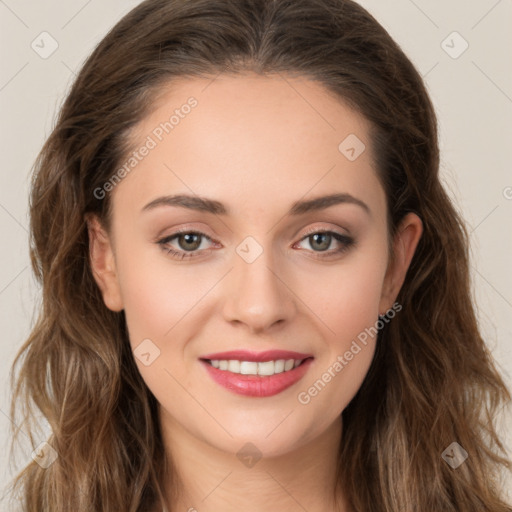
(461, 48)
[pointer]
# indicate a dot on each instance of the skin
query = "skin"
(257, 145)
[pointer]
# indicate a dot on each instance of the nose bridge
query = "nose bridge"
(256, 294)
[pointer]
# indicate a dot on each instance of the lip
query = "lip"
(257, 385)
(257, 357)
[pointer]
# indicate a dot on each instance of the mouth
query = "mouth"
(257, 374)
(265, 368)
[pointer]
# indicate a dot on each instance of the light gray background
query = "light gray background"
(472, 94)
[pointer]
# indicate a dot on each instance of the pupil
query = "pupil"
(324, 239)
(191, 241)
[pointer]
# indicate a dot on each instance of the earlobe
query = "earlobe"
(404, 246)
(102, 261)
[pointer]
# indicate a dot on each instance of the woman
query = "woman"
(255, 289)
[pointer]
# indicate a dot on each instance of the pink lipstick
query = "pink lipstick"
(257, 374)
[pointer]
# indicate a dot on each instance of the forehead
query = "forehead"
(251, 139)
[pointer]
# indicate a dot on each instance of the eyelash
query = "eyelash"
(345, 241)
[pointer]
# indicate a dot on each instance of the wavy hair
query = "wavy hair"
(432, 380)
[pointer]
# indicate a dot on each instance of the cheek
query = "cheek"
(346, 297)
(346, 300)
(156, 292)
(159, 299)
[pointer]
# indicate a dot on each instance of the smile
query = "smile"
(266, 368)
(257, 374)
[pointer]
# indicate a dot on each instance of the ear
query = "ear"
(404, 245)
(102, 261)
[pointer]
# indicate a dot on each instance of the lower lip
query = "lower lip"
(257, 385)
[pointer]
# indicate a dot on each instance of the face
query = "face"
(249, 251)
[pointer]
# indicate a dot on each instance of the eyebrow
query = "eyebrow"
(211, 206)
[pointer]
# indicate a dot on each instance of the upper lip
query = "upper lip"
(246, 355)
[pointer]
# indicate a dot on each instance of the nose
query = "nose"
(257, 296)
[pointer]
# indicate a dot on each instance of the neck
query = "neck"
(207, 479)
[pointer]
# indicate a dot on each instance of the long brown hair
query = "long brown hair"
(432, 381)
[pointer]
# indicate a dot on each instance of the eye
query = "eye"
(187, 244)
(323, 241)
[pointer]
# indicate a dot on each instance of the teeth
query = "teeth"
(265, 368)
(248, 368)
(279, 366)
(234, 366)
